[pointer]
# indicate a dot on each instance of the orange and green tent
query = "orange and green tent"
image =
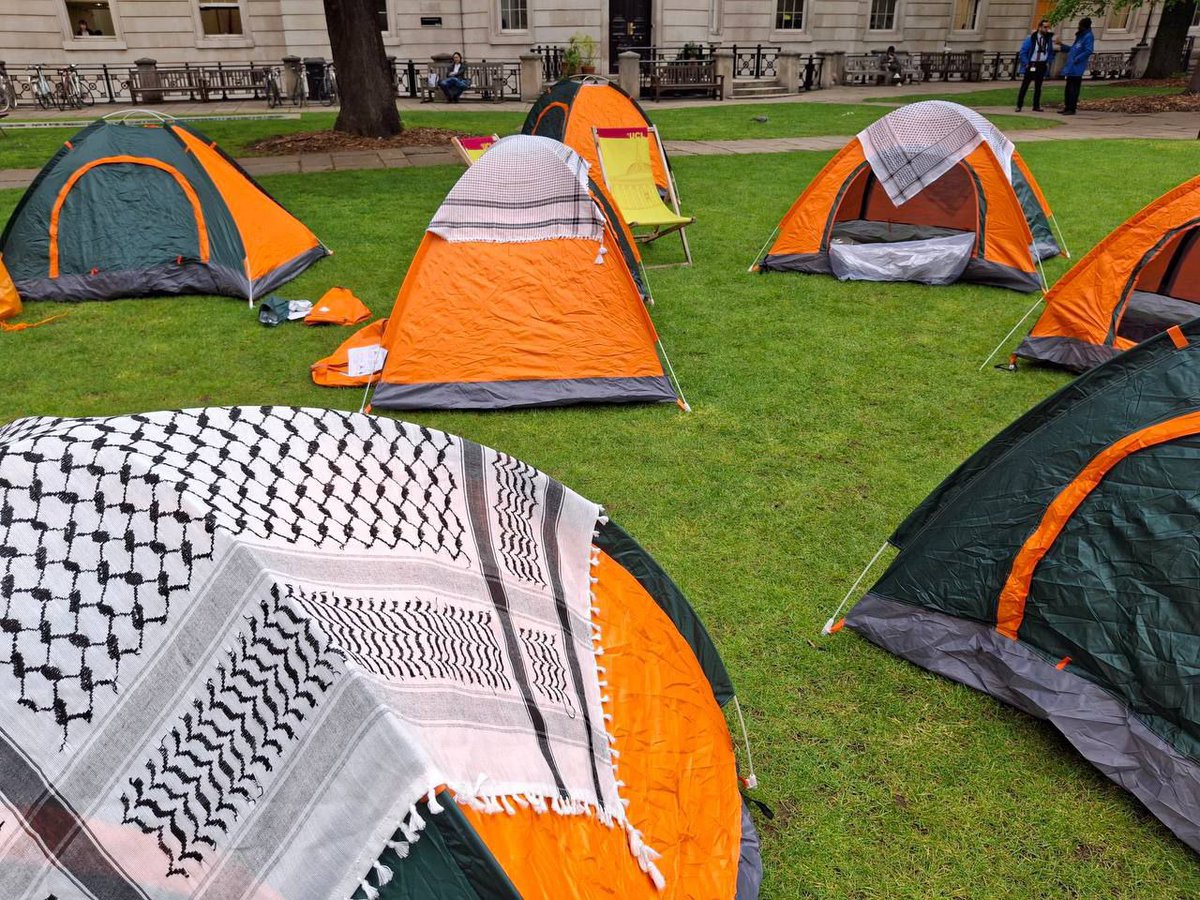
(573, 107)
(134, 207)
(931, 192)
(1138, 281)
(1056, 570)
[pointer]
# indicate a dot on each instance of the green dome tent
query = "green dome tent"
(133, 206)
(1058, 570)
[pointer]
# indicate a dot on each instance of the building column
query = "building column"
(788, 65)
(629, 73)
(833, 67)
(724, 57)
(531, 77)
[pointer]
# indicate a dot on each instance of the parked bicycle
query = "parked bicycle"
(329, 88)
(8, 97)
(271, 87)
(73, 91)
(41, 88)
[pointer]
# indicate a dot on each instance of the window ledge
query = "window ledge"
(94, 43)
(512, 37)
(218, 42)
(790, 35)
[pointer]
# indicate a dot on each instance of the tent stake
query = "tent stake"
(763, 248)
(1028, 313)
(1062, 241)
(828, 629)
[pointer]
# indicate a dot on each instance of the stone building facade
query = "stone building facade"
(174, 31)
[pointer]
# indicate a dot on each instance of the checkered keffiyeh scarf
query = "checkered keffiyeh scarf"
(524, 189)
(914, 146)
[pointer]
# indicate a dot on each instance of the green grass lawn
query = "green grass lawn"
(823, 413)
(30, 148)
(1052, 94)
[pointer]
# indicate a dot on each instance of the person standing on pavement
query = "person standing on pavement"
(1036, 57)
(1078, 55)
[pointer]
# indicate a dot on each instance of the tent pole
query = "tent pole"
(1042, 272)
(1028, 313)
(828, 629)
(1062, 241)
(764, 247)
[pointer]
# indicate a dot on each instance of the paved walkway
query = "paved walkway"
(1084, 126)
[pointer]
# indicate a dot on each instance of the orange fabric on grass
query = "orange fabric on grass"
(338, 306)
(10, 300)
(1011, 608)
(603, 106)
(677, 762)
(1082, 302)
(479, 311)
(270, 234)
(331, 371)
(184, 184)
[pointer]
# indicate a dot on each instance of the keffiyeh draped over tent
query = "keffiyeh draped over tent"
(915, 145)
(237, 646)
(523, 189)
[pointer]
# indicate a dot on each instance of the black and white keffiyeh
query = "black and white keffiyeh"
(525, 188)
(238, 646)
(915, 145)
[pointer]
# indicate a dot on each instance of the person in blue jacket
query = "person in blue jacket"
(1078, 55)
(1036, 58)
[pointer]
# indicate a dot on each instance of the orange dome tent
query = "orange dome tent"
(522, 293)
(1138, 281)
(572, 108)
(931, 192)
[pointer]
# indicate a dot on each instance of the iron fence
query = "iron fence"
(1108, 66)
(1001, 67)
(1185, 59)
(105, 83)
(756, 62)
(810, 79)
(552, 61)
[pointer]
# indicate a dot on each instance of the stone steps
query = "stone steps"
(750, 89)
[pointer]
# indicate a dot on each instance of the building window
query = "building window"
(220, 19)
(1041, 10)
(1196, 19)
(789, 15)
(514, 15)
(1118, 19)
(966, 15)
(93, 19)
(381, 15)
(883, 15)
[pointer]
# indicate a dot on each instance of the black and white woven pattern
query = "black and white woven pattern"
(524, 188)
(912, 147)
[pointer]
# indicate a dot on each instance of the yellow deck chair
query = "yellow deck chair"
(471, 148)
(625, 163)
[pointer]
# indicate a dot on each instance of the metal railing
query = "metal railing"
(552, 61)
(1110, 66)
(756, 62)
(107, 84)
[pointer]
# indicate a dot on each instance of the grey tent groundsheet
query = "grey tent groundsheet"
(861, 250)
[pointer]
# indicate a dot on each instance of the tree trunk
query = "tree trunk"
(1167, 48)
(364, 82)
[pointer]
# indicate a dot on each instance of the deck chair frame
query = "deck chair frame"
(462, 151)
(672, 195)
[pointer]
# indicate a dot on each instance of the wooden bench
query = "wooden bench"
(681, 76)
(488, 81)
(192, 83)
(948, 66)
(869, 69)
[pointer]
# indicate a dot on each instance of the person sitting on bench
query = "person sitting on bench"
(456, 80)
